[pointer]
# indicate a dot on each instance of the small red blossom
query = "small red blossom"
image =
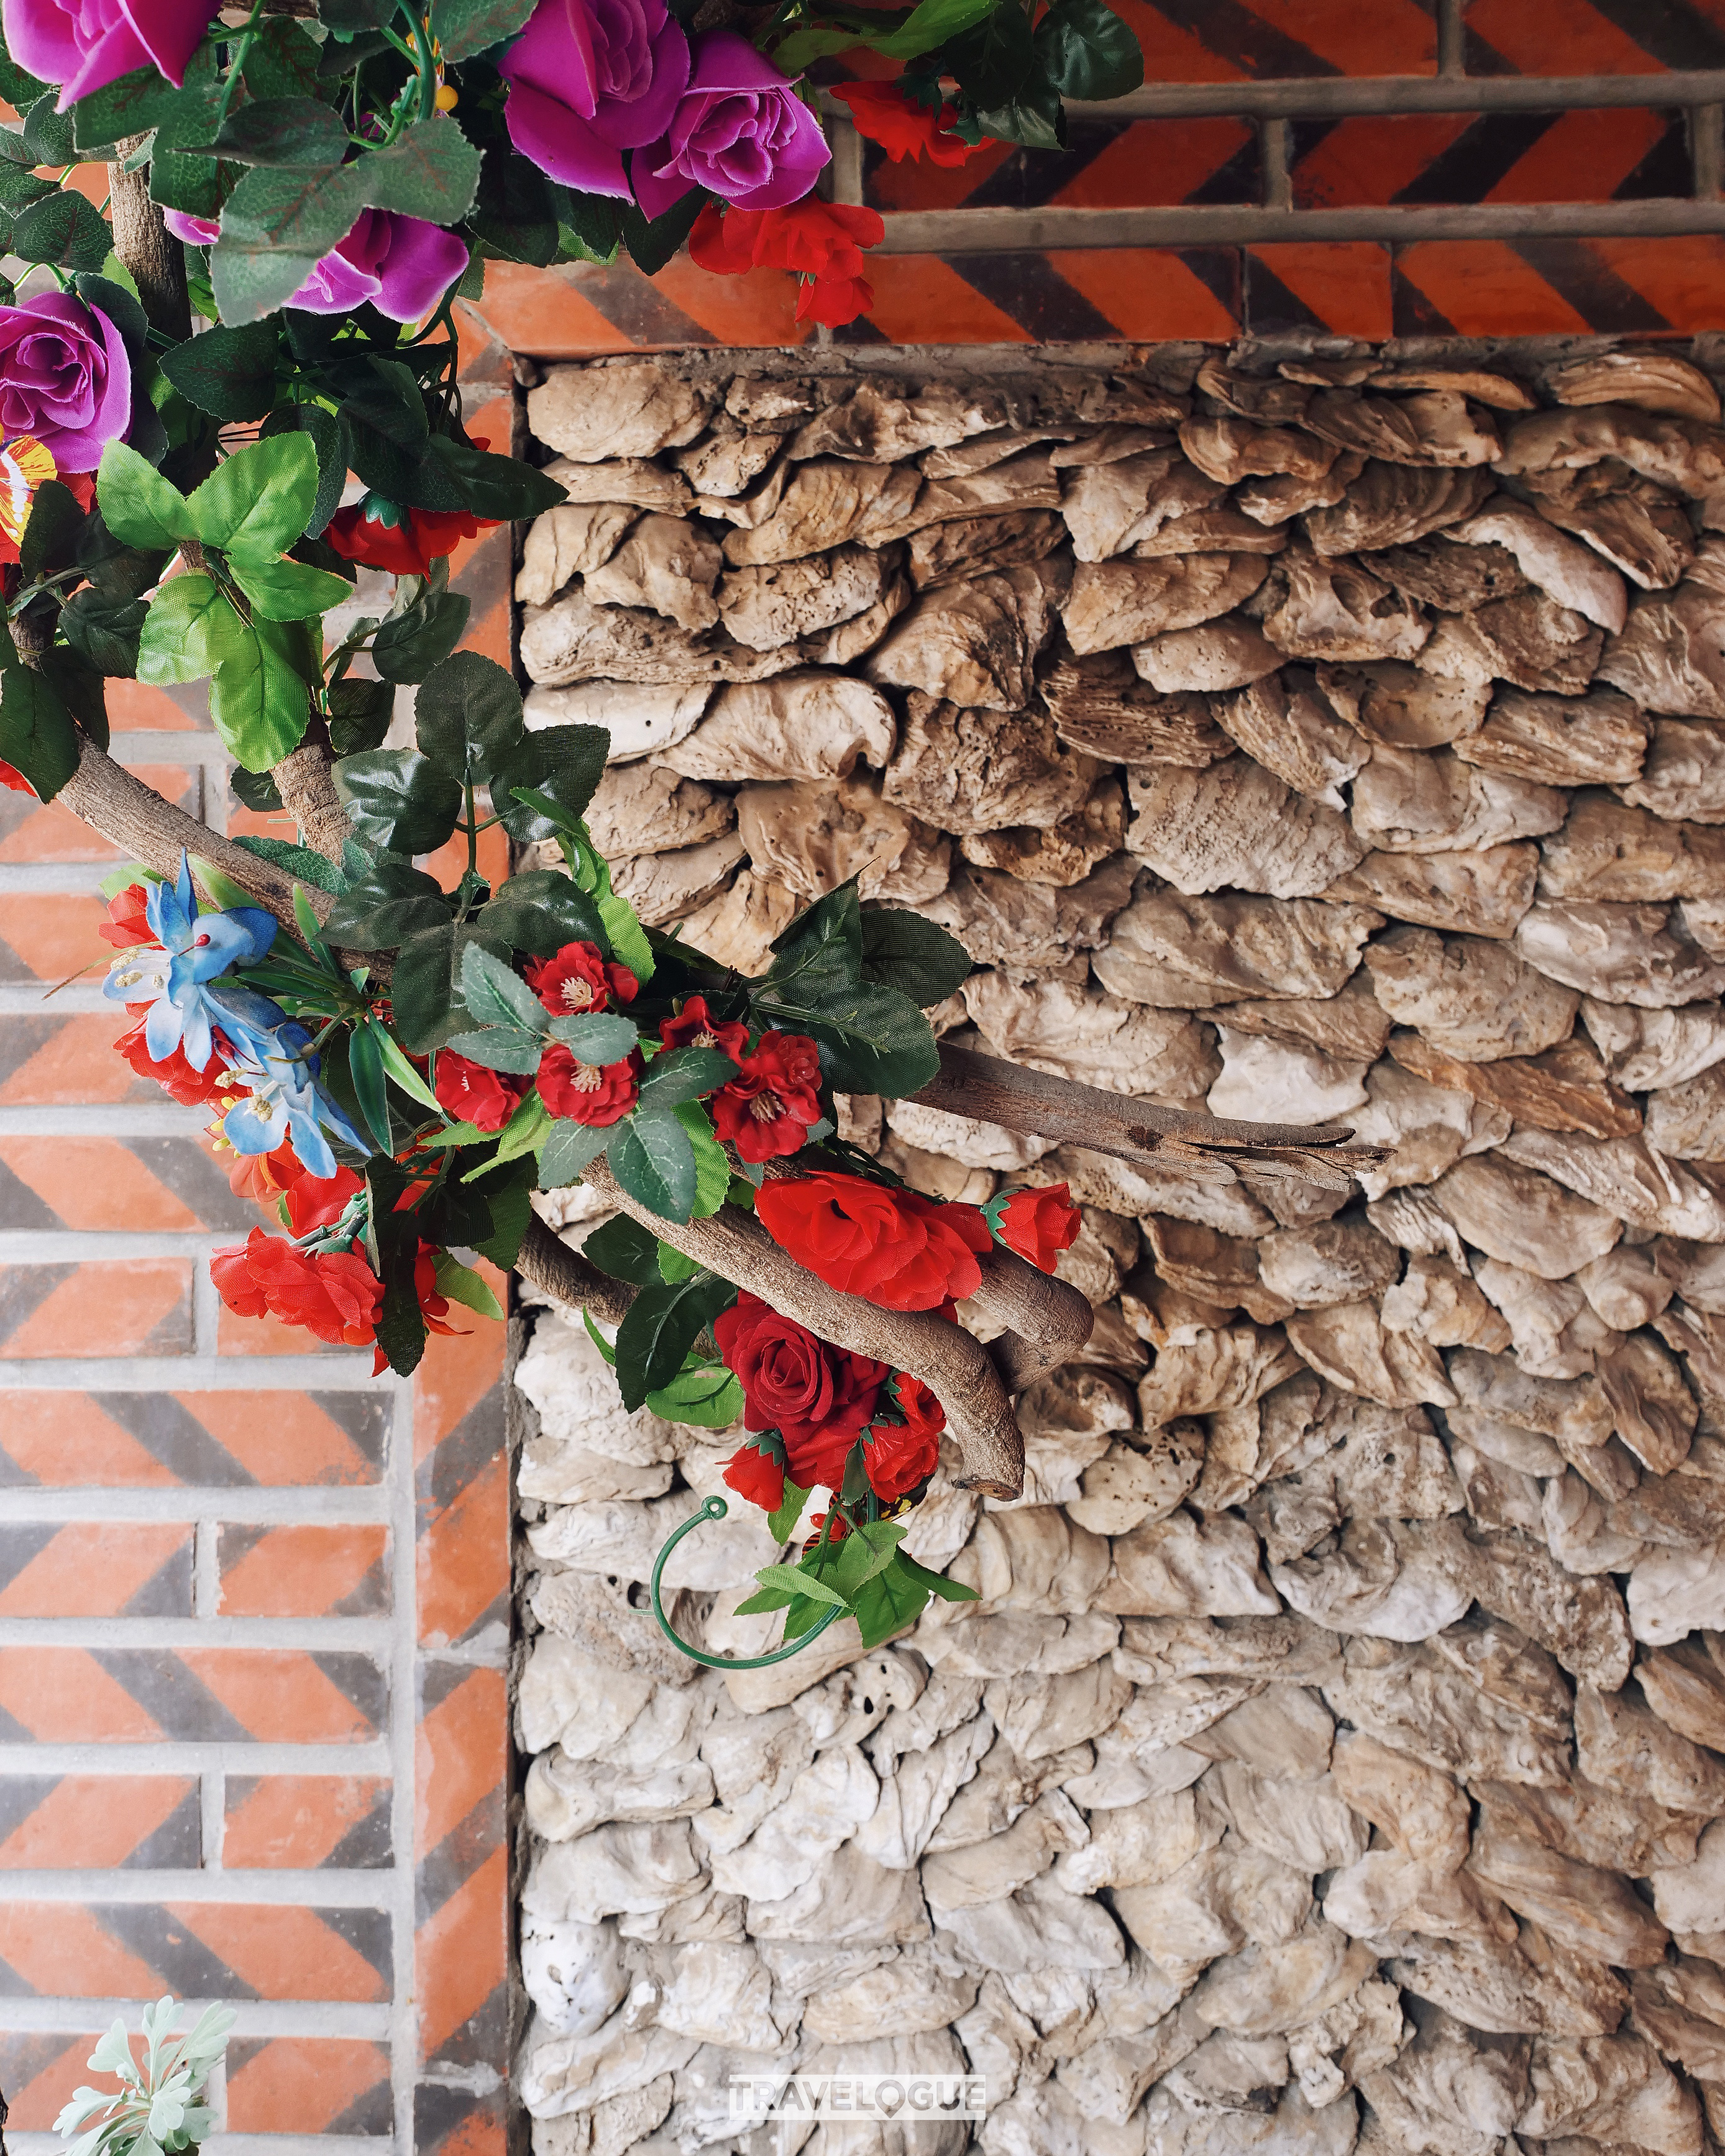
(766, 1111)
(895, 1248)
(598, 1095)
(816, 1396)
(406, 541)
(695, 1026)
(899, 1457)
(127, 923)
(191, 1088)
(335, 1295)
(578, 979)
(1039, 1223)
(755, 1471)
(821, 241)
(13, 779)
(904, 128)
(319, 1201)
(469, 1093)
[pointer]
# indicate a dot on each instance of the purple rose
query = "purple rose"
(402, 265)
(590, 79)
(65, 377)
(740, 130)
(83, 44)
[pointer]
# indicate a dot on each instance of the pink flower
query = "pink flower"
(589, 79)
(64, 379)
(84, 44)
(402, 265)
(740, 130)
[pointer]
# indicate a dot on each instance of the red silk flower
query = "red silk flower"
(895, 1248)
(406, 541)
(1039, 1223)
(191, 1088)
(126, 924)
(822, 242)
(578, 979)
(469, 1093)
(335, 1294)
(695, 1026)
(766, 1111)
(591, 1093)
(816, 1396)
(904, 129)
(13, 779)
(755, 1471)
(899, 1457)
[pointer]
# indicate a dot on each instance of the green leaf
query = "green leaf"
(290, 591)
(463, 27)
(120, 305)
(652, 243)
(283, 130)
(628, 938)
(47, 133)
(501, 1048)
(867, 1549)
(229, 373)
(622, 1247)
(431, 172)
(682, 1073)
(255, 790)
(360, 713)
(37, 735)
(793, 1580)
(467, 715)
(902, 950)
(190, 628)
(653, 1157)
(328, 433)
(889, 1600)
(346, 19)
(255, 503)
(409, 645)
(782, 1525)
(508, 1190)
(425, 992)
(459, 1283)
(1088, 52)
(570, 1148)
(392, 1240)
(563, 765)
(139, 506)
(402, 1073)
(541, 911)
(874, 1039)
(949, 1590)
(911, 35)
(258, 701)
(673, 1267)
(365, 1066)
(398, 799)
(301, 861)
(526, 1132)
(19, 87)
(390, 902)
(65, 228)
(52, 533)
(496, 995)
(596, 1037)
(131, 104)
(491, 486)
(707, 1397)
(276, 225)
(660, 1326)
(821, 950)
(104, 629)
(712, 1170)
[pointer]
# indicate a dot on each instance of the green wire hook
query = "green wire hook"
(715, 1508)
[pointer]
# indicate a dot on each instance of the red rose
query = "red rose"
(881, 112)
(127, 923)
(578, 978)
(191, 1088)
(468, 1093)
(406, 541)
(319, 1201)
(895, 1248)
(336, 1295)
(695, 1026)
(816, 1396)
(756, 1472)
(765, 1112)
(587, 1092)
(899, 1457)
(1039, 1223)
(822, 242)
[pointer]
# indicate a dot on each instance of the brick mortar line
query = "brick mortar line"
(168, 1755)
(337, 1889)
(359, 1635)
(60, 1246)
(79, 999)
(405, 1794)
(118, 1119)
(337, 1372)
(1328, 96)
(257, 2017)
(232, 2144)
(355, 1505)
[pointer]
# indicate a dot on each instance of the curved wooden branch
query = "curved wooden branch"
(567, 1277)
(306, 783)
(956, 1369)
(144, 243)
(1048, 1319)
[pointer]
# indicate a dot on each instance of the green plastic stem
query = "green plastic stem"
(715, 1508)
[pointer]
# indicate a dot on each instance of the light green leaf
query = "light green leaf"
(256, 503)
(403, 1073)
(460, 1284)
(190, 630)
(526, 1131)
(783, 1523)
(289, 591)
(259, 702)
(571, 1148)
(792, 1579)
(140, 507)
(712, 1170)
(222, 888)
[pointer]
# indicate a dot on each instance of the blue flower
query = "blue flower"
(191, 950)
(286, 1104)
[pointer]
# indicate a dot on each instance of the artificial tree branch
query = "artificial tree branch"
(1048, 1319)
(956, 1369)
(144, 243)
(566, 1277)
(305, 780)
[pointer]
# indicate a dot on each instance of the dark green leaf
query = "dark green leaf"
(1088, 52)
(426, 989)
(398, 799)
(229, 373)
(81, 689)
(597, 1037)
(822, 949)
(283, 60)
(508, 1191)
(19, 87)
(570, 1148)
(360, 712)
(1036, 118)
(432, 171)
(902, 950)
(118, 304)
(103, 628)
(329, 437)
(589, 227)
(384, 395)
(540, 911)
(283, 130)
(65, 228)
(651, 244)
(19, 184)
(393, 1250)
(301, 862)
(653, 1157)
(348, 18)
(467, 716)
(684, 1074)
(499, 1048)
(888, 1602)
(365, 1067)
(276, 225)
(48, 134)
(564, 764)
(462, 27)
(514, 218)
(392, 901)
(406, 647)
(37, 735)
(131, 104)
(51, 536)
(178, 179)
(257, 790)
(622, 1247)
(502, 488)
(660, 1326)
(872, 1040)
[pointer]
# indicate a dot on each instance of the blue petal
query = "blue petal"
(259, 925)
(250, 1128)
(311, 1147)
(162, 1029)
(246, 1016)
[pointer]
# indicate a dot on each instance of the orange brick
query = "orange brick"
(135, 708)
(54, 937)
(95, 1182)
(295, 1822)
(112, 1306)
(304, 2084)
(461, 1755)
(461, 1953)
(95, 1568)
(303, 1571)
(68, 1440)
(89, 1821)
(71, 1062)
(285, 1952)
(281, 1439)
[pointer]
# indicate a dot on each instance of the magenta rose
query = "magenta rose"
(740, 130)
(590, 79)
(83, 44)
(402, 265)
(65, 377)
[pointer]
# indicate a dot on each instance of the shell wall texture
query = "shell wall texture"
(1336, 1756)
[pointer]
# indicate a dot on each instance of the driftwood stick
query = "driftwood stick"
(144, 243)
(1049, 1321)
(568, 1278)
(956, 1369)
(306, 783)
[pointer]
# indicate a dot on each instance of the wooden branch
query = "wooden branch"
(568, 1278)
(144, 243)
(306, 783)
(1204, 1147)
(956, 1369)
(1048, 1319)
